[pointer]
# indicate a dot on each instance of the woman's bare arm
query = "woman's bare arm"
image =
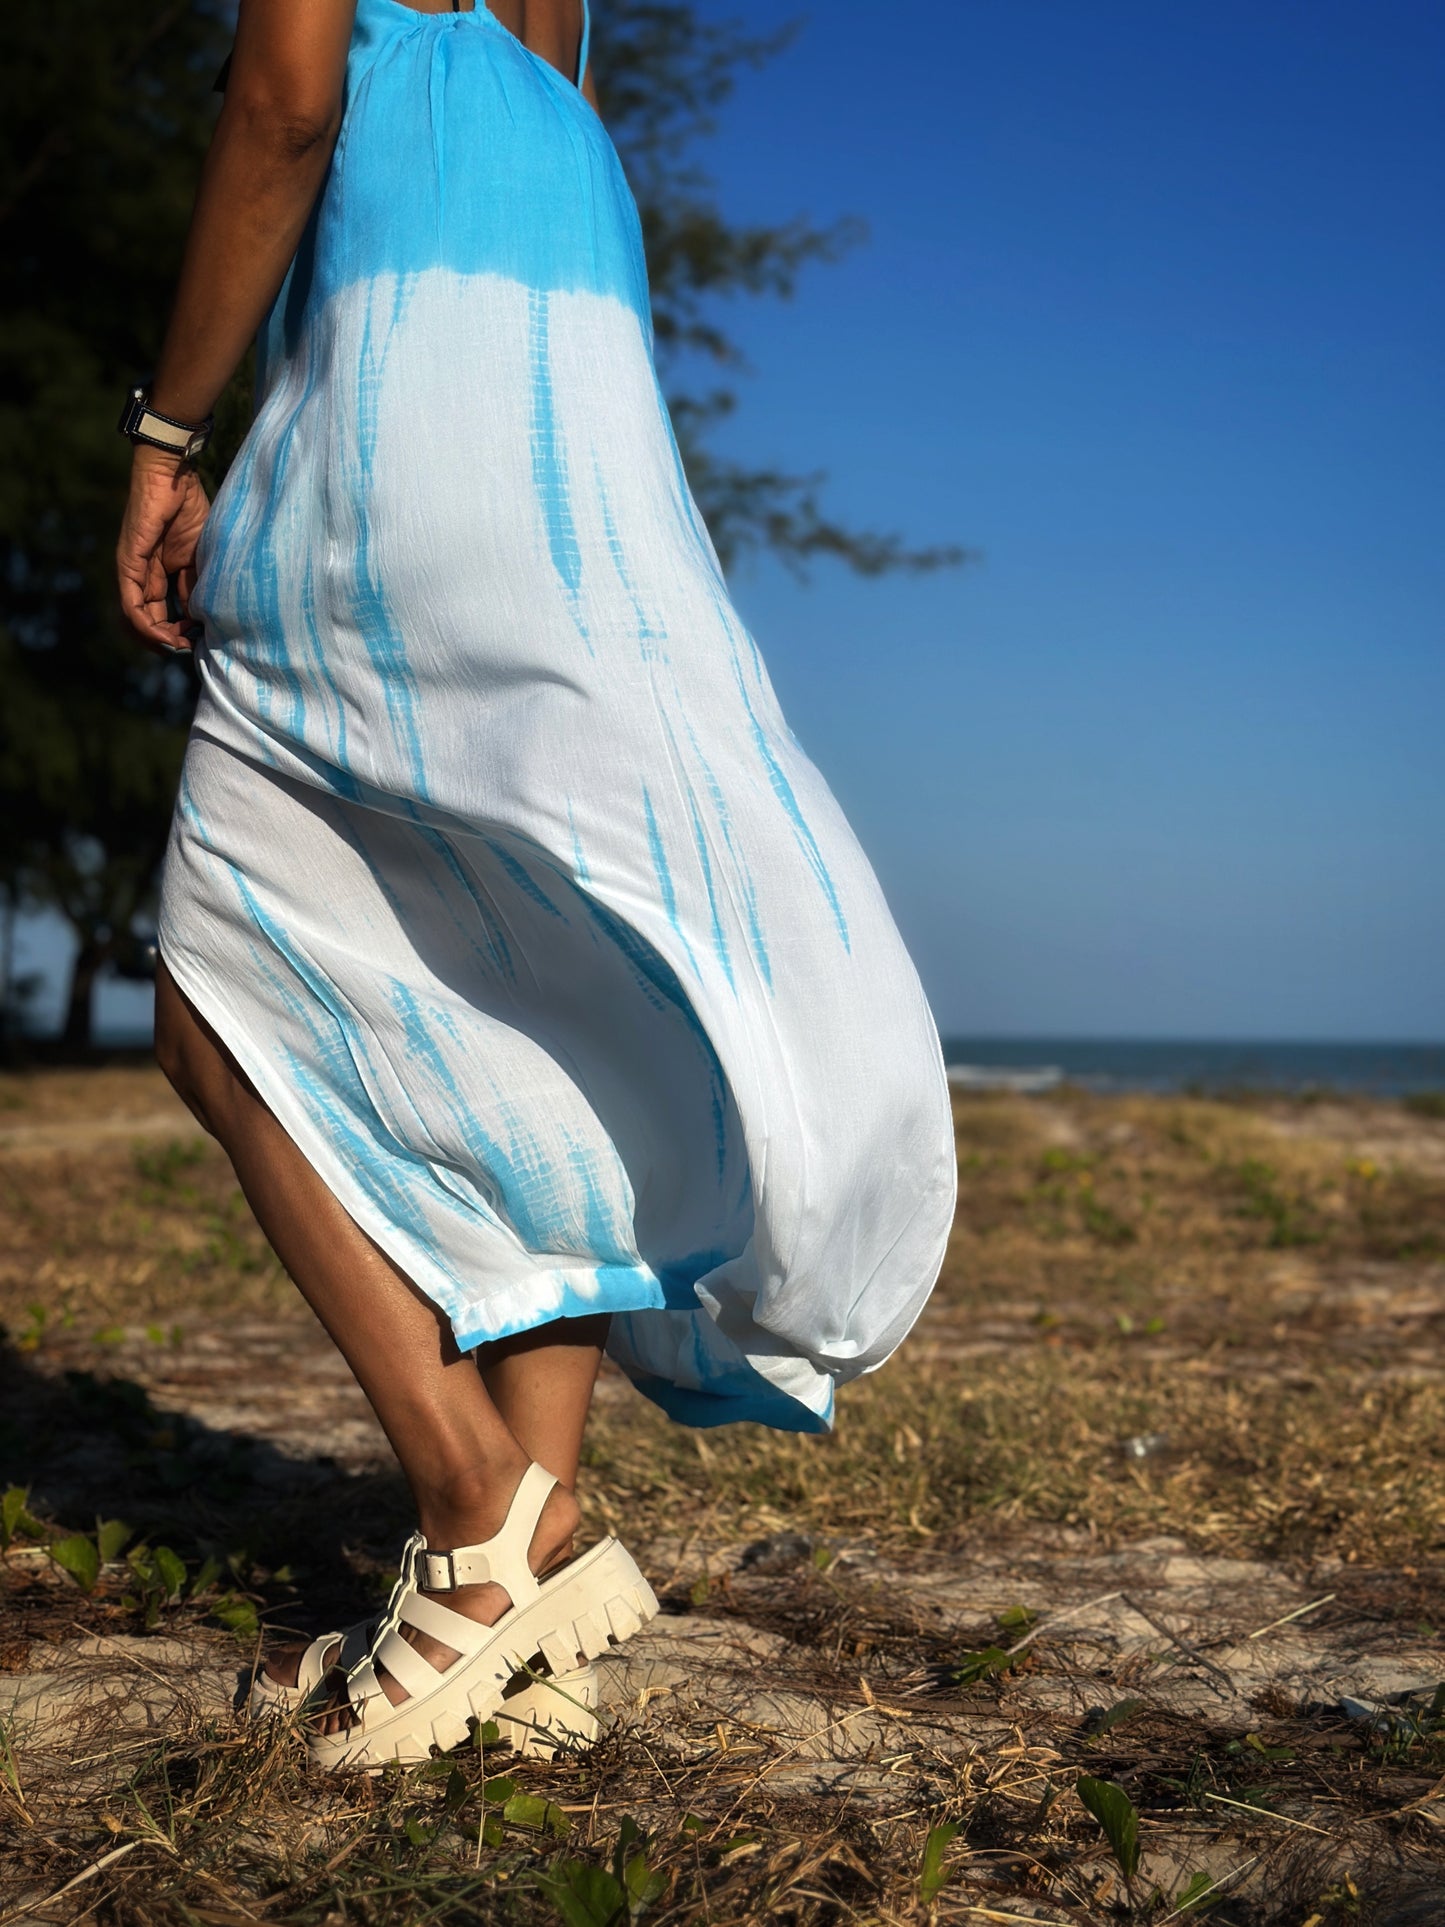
(268, 157)
(267, 160)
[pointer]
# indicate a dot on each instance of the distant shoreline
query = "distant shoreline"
(1035, 1064)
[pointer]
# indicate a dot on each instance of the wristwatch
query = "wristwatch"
(142, 423)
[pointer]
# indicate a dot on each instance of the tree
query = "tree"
(105, 111)
(104, 123)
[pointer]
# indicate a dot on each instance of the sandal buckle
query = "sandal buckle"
(436, 1572)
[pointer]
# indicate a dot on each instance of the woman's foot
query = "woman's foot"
(283, 1667)
(456, 1522)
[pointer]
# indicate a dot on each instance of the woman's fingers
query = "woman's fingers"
(162, 526)
(143, 603)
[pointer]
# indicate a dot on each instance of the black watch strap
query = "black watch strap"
(142, 423)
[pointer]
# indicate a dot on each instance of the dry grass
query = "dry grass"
(1257, 1287)
(1267, 1303)
(207, 1822)
(115, 1209)
(1244, 1283)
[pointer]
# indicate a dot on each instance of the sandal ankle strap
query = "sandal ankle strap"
(502, 1559)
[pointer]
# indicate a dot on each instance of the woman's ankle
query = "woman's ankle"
(471, 1506)
(472, 1493)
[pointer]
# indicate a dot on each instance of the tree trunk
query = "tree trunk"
(91, 955)
(7, 964)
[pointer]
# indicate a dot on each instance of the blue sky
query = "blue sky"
(1152, 313)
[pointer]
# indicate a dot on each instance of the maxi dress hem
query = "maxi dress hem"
(621, 1292)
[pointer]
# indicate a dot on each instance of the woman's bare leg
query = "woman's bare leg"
(461, 1457)
(541, 1382)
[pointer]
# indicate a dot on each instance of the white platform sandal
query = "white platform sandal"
(575, 1613)
(538, 1716)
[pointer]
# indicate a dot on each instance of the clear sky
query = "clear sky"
(1153, 314)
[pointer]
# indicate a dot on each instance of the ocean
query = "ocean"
(1131, 1064)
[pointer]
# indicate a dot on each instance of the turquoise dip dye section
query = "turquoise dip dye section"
(495, 861)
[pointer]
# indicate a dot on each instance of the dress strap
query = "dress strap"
(586, 42)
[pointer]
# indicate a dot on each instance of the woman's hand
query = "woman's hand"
(164, 517)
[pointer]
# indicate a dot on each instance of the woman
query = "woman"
(521, 961)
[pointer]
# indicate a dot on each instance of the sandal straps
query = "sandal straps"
(501, 1560)
(313, 1668)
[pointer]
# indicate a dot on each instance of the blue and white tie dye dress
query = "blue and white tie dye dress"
(495, 863)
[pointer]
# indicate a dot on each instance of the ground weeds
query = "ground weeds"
(1252, 1289)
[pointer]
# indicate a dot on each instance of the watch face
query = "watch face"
(140, 422)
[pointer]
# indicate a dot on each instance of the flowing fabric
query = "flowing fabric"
(495, 863)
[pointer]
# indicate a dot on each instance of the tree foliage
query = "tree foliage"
(105, 110)
(104, 117)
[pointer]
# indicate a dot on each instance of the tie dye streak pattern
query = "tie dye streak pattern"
(495, 862)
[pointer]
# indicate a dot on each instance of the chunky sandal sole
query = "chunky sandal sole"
(593, 1603)
(551, 1715)
(538, 1717)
